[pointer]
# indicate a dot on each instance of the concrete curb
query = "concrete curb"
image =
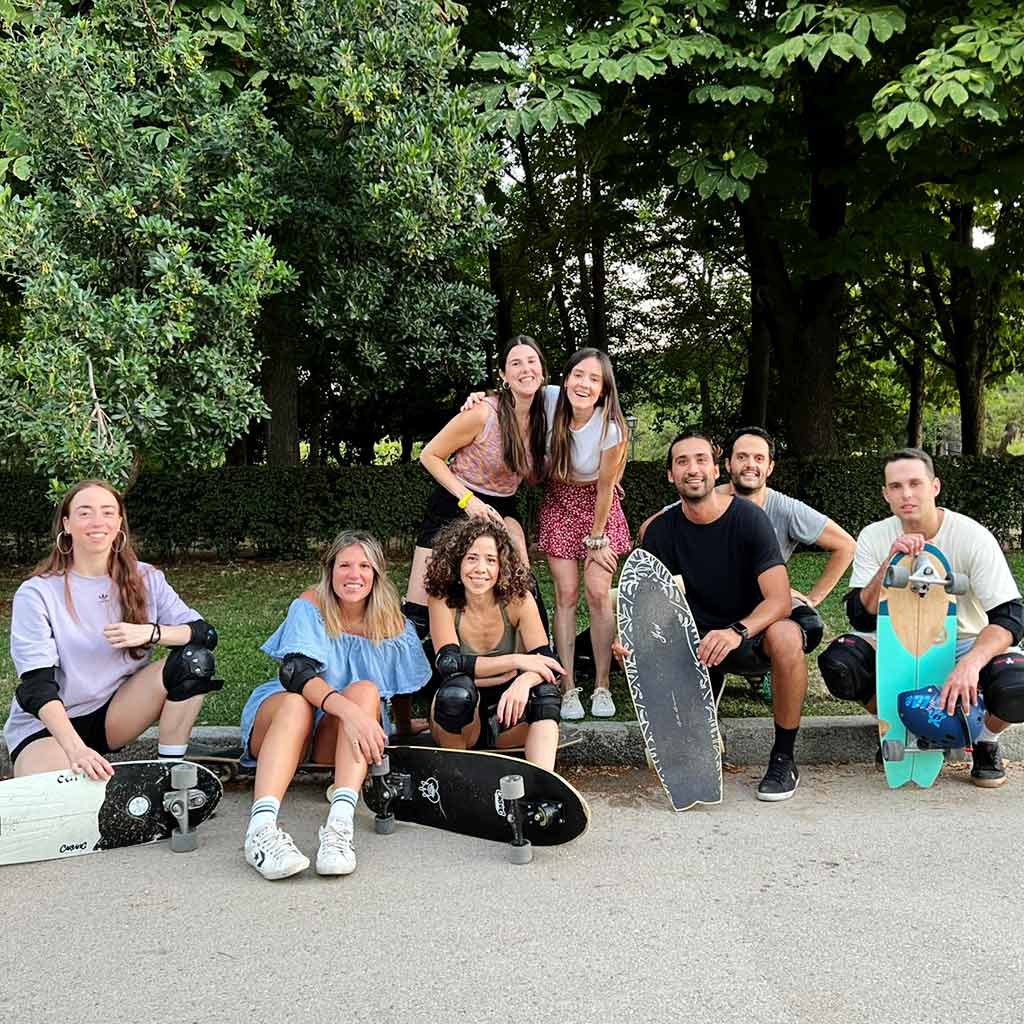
(851, 739)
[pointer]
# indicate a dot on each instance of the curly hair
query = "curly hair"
(444, 570)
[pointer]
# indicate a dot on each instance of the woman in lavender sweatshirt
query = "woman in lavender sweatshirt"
(82, 629)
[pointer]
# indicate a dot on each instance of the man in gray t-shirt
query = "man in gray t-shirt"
(749, 461)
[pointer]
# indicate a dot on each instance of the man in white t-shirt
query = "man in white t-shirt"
(990, 616)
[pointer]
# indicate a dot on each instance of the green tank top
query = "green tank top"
(506, 645)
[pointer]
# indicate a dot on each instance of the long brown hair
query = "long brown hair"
(122, 563)
(560, 462)
(383, 617)
(514, 452)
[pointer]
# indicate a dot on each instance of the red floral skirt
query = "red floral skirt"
(567, 517)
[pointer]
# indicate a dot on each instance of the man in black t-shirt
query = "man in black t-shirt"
(738, 590)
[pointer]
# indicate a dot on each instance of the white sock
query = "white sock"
(343, 806)
(264, 812)
(172, 751)
(987, 735)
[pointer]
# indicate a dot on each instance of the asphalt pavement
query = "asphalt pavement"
(850, 903)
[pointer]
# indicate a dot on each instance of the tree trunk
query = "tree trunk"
(598, 270)
(280, 383)
(804, 316)
(754, 407)
(968, 321)
(543, 222)
(915, 390)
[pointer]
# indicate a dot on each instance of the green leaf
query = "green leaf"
(958, 94)
(162, 139)
(818, 53)
(610, 70)
(549, 115)
(862, 29)
(882, 26)
(22, 168)
(917, 114)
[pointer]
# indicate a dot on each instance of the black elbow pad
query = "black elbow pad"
(296, 671)
(38, 687)
(450, 661)
(1009, 615)
(203, 634)
(860, 618)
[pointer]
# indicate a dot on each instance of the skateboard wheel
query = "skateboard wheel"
(896, 576)
(958, 584)
(520, 854)
(384, 826)
(512, 787)
(892, 750)
(183, 842)
(380, 770)
(330, 792)
(184, 776)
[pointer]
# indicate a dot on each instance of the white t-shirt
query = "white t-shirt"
(588, 442)
(971, 550)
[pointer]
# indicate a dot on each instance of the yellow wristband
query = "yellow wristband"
(466, 499)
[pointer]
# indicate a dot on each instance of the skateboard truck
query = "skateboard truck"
(387, 787)
(182, 798)
(516, 811)
(923, 576)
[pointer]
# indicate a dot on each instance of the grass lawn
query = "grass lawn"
(247, 601)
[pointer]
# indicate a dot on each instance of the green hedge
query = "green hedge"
(286, 512)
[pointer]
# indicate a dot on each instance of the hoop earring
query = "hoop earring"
(64, 533)
(124, 540)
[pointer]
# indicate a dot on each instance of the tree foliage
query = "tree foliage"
(135, 229)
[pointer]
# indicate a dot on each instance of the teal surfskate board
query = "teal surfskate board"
(916, 648)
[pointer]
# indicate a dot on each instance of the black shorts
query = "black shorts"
(443, 508)
(749, 659)
(92, 728)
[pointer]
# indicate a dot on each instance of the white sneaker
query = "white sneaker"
(601, 704)
(336, 855)
(572, 709)
(273, 854)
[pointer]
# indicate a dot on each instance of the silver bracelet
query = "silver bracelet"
(596, 543)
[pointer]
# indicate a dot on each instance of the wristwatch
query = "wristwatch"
(738, 627)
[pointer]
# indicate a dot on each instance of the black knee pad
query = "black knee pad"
(544, 704)
(455, 703)
(1002, 683)
(809, 621)
(189, 672)
(848, 668)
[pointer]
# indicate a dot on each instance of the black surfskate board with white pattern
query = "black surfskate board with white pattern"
(468, 792)
(671, 688)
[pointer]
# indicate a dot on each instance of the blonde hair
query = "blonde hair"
(383, 617)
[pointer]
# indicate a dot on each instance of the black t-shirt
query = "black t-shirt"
(719, 562)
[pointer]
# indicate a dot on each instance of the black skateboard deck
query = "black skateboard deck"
(463, 791)
(671, 688)
(227, 764)
(61, 814)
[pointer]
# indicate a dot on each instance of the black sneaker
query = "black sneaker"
(987, 770)
(781, 779)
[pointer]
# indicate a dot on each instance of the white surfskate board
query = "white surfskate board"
(61, 814)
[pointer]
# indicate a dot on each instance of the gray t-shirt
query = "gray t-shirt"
(794, 522)
(44, 633)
